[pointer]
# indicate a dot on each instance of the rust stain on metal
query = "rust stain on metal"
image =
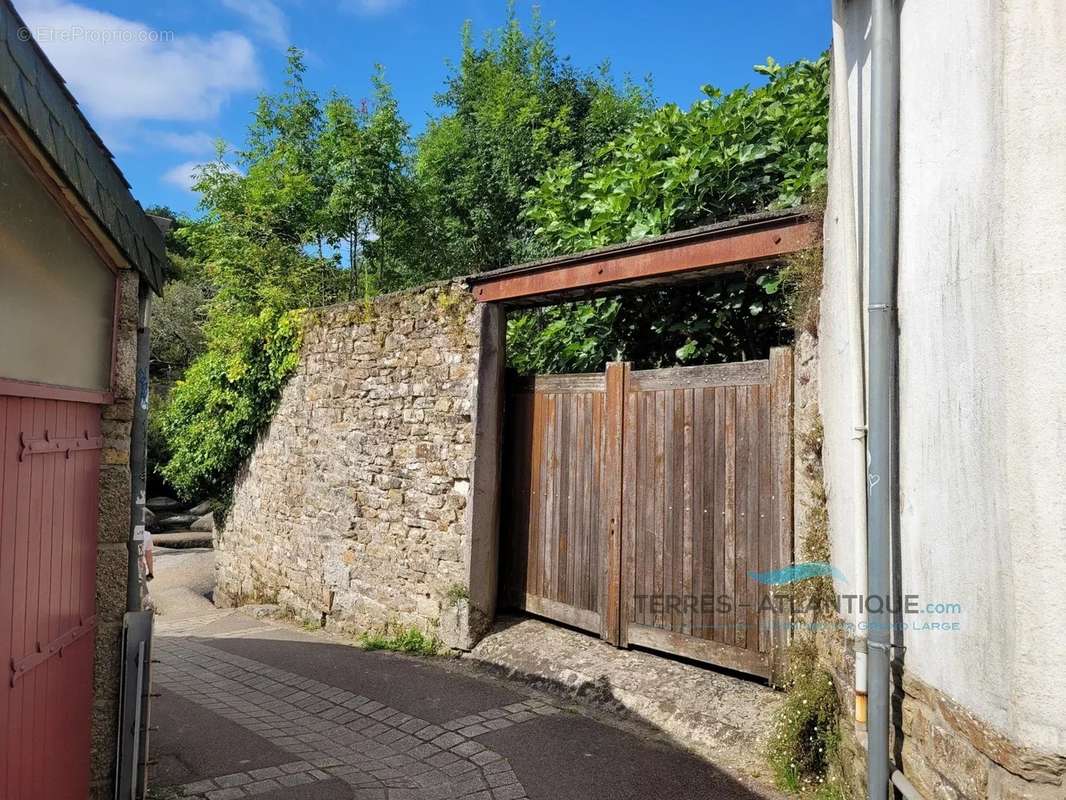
(665, 260)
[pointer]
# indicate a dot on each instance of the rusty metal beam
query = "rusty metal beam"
(669, 259)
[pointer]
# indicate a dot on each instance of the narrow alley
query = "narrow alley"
(252, 707)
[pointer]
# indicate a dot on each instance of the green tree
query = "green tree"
(263, 242)
(514, 108)
(365, 155)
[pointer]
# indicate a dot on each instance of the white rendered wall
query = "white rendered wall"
(982, 309)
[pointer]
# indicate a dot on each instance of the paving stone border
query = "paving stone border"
(334, 734)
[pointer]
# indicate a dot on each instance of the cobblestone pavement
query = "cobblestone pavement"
(333, 733)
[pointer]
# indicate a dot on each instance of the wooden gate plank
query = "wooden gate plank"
(742, 373)
(660, 504)
(667, 535)
(765, 511)
(646, 486)
(581, 618)
(781, 382)
(42, 623)
(614, 437)
(677, 509)
(651, 501)
(710, 652)
(751, 594)
(723, 616)
(20, 592)
(562, 499)
(687, 551)
(705, 484)
(631, 509)
(548, 522)
(741, 487)
(729, 499)
(7, 560)
(536, 522)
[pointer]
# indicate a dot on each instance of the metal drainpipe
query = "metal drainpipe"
(138, 447)
(856, 355)
(881, 321)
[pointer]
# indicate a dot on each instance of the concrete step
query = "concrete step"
(719, 716)
(182, 539)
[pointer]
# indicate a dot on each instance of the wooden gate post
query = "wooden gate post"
(781, 465)
(611, 545)
(483, 506)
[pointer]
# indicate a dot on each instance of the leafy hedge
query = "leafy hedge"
(729, 154)
(227, 396)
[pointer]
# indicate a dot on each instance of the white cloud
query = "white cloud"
(372, 7)
(192, 143)
(183, 175)
(267, 19)
(121, 69)
(186, 174)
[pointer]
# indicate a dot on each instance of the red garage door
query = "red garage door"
(49, 474)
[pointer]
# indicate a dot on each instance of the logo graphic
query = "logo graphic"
(798, 572)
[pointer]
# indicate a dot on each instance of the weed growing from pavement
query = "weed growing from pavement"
(805, 742)
(401, 639)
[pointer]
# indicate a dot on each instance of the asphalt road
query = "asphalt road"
(254, 708)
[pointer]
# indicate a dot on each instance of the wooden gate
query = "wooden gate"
(49, 478)
(639, 503)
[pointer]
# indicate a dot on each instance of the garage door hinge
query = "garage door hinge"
(33, 447)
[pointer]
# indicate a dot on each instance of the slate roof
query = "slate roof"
(38, 94)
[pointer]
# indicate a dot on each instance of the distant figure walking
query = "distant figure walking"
(146, 555)
(146, 566)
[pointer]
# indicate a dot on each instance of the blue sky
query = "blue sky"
(160, 81)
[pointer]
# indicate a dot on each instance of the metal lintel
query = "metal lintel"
(670, 259)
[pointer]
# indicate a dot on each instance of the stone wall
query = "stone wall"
(113, 528)
(946, 751)
(352, 509)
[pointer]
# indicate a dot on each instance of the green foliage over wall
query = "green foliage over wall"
(729, 154)
(261, 247)
(329, 200)
(730, 319)
(226, 398)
